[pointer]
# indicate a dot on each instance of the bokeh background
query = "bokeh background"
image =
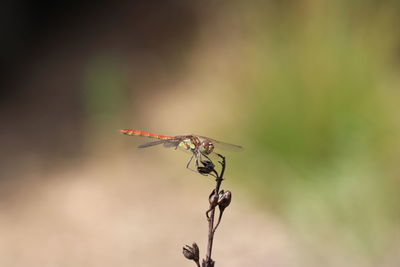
(309, 88)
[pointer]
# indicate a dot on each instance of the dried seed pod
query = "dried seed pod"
(196, 252)
(221, 194)
(207, 167)
(191, 252)
(188, 253)
(224, 199)
(213, 199)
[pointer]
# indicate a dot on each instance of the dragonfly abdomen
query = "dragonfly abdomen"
(145, 134)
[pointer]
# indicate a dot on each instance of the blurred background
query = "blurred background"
(309, 88)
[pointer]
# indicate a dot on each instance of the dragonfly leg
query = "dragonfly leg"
(187, 166)
(207, 157)
(207, 167)
(194, 170)
(196, 163)
(198, 156)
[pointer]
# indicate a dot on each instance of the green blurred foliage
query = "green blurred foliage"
(324, 129)
(103, 88)
(104, 94)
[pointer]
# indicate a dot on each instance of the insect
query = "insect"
(200, 146)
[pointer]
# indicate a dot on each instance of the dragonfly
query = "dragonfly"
(200, 146)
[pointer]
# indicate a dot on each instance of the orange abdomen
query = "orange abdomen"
(145, 134)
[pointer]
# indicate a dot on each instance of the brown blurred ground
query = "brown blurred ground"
(125, 212)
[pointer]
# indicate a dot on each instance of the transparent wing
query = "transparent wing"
(172, 143)
(154, 143)
(223, 145)
(166, 143)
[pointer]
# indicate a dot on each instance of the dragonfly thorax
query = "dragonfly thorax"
(189, 144)
(195, 144)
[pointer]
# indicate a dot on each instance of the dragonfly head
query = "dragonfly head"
(206, 147)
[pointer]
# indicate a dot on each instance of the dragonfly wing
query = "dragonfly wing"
(223, 145)
(172, 143)
(166, 143)
(154, 143)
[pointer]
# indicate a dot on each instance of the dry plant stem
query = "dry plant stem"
(208, 261)
(219, 220)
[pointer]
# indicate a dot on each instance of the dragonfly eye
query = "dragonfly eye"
(206, 147)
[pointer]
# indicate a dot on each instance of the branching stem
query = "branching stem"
(218, 198)
(208, 261)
